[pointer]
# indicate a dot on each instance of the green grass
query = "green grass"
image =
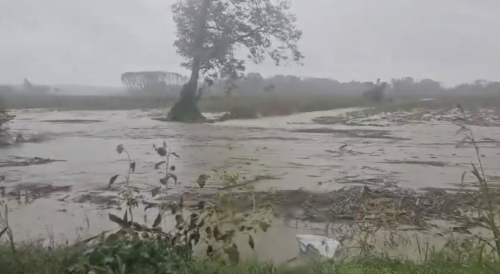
(242, 106)
(152, 257)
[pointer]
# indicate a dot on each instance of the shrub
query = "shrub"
(5, 118)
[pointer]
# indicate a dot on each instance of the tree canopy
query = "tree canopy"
(210, 33)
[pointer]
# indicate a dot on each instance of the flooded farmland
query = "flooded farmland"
(315, 152)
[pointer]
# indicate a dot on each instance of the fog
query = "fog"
(92, 42)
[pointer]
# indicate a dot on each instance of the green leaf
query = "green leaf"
(155, 191)
(117, 220)
(112, 180)
(161, 151)
(233, 254)
(169, 176)
(3, 231)
(157, 220)
(251, 242)
(178, 220)
(125, 217)
(264, 226)
(157, 165)
(151, 205)
(119, 149)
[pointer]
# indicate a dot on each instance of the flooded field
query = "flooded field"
(317, 152)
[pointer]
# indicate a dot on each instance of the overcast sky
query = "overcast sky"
(94, 41)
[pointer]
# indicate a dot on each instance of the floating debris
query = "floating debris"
(415, 114)
(413, 162)
(14, 161)
(399, 206)
(324, 246)
(73, 121)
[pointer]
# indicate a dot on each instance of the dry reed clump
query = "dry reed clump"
(415, 113)
(400, 205)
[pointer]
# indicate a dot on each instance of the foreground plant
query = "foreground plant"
(127, 194)
(212, 224)
(124, 257)
(490, 217)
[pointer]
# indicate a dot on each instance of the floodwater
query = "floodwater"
(302, 154)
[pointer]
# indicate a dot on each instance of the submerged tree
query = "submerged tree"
(376, 91)
(210, 31)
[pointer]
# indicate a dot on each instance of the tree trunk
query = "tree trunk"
(186, 108)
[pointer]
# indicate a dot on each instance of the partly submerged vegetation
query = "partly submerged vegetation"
(5, 118)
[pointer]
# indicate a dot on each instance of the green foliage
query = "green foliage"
(148, 257)
(125, 257)
(210, 31)
(212, 224)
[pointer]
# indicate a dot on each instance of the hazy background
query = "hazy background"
(93, 41)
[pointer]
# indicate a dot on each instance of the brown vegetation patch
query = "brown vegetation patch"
(396, 205)
(30, 192)
(353, 133)
(73, 121)
(26, 161)
(412, 162)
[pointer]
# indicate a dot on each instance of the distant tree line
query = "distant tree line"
(408, 85)
(26, 88)
(158, 82)
(254, 83)
(152, 82)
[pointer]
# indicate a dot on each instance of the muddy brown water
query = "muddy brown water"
(303, 154)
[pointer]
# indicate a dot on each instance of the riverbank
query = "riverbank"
(264, 105)
(151, 257)
(241, 106)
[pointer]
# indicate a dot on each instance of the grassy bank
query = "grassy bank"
(241, 105)
(86, 102)
(153, 257)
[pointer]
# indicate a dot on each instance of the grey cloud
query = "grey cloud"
(93, 41)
